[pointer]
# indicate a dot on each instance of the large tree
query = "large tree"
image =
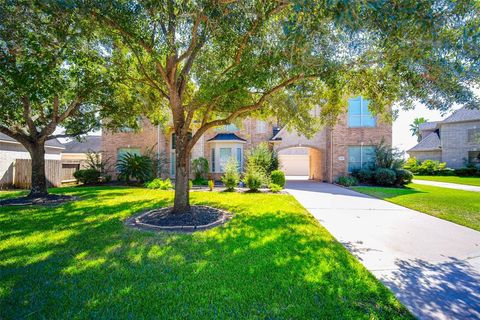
(207, 63)
(53, 73)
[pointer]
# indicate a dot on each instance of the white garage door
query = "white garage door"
(294, 164)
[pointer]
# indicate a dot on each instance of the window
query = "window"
(213, 160)
(225, 155)
(474, 157)
(227, 128)
(474, 135)
(122, 151)
(239, 159)
(360, 157)
(358, 114)
(261, 126)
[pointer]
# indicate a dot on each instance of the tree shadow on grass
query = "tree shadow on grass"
(262, 264)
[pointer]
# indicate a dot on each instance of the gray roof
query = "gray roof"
(432, 125)
(429, 143)
(87, 144)
(463, 114)
(50, 143)
(226, 137)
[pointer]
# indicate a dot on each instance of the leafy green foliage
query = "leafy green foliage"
(275, 187)
(200, 168)
(159, 184)
(415, 127)
(134, 166)
(347, 181)
(278, 177)
(231, 177)
(385, 177)
(263, 158)
(387, 157)
(87, 176)
(211, 185)
(403, 177)
(364, 175)
(254, 179)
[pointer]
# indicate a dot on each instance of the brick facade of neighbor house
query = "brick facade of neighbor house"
(455, 140)
(327, 153)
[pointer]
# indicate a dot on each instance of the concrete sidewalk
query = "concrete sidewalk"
(432, 265)
(448, 185)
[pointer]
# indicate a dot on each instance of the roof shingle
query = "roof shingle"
(429, 143)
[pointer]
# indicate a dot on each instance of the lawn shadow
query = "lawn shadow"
(262, 264)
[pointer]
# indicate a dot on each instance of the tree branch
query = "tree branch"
(27, 114)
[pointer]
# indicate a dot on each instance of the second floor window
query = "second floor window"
(359, 115)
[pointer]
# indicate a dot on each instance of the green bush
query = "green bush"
(262, 157)
(466, 172)
(135, 166)
(200, 182)
(87, 176)
(430, 167)
(412, 165)
(445, 172)
(253, 179)
(385, 177)
(278, 177)
(347, 181)
(200, 168)
(274, 187)
(231, 178)
(160, 184)
(211, 185)
(403, 177)
(364, 175)
(387, 157)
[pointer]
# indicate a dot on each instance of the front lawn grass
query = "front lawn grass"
(462, 207)
(272, 260)
(471, 181)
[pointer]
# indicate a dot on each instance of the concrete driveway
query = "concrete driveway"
(432, 265)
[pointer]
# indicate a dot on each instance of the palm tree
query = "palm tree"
(415, 127)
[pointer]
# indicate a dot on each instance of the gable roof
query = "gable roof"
(53, 143)
(429, 143)
(87, 144)
(463, 114)
(226, 137)
(431, 125)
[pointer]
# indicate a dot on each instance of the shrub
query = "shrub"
(403, 177)
(134, 166)
(385, 177)
(364, 175)
(200, 182)
(253, 179)
(465, 172)
(200, 168)
(211, 185)
(160, 184)
(430, 167)
(190, 184)
(87, 176)
(274, 187)
(278, 177)
(411, 164)
(388, 157)
(347, 181)
(445, 172)
(231, 178)
(263, 158)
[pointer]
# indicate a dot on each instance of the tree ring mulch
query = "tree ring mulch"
(198, 218)
(51, 199)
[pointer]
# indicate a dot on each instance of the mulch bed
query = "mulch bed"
(198, 218)
(51, 199)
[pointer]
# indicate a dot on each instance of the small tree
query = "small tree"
(52, 73)
(415, 127)
(231, 177)
(388, 157)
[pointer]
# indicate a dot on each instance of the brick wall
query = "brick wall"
(340, 137)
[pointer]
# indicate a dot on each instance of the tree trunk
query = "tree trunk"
(181, 201)
(39, 180)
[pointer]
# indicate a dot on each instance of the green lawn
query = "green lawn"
(272, 260)
(472, 181)
(462, 207)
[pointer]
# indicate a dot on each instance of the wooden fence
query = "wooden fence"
(23, 171)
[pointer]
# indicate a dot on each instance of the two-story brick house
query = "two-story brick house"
(332, 151)
(455, 140)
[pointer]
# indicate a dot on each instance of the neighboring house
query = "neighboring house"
(74, 157)
(331, 152)
(12, 150)
(455, 140)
